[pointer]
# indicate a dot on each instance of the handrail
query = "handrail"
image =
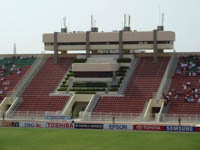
(27, 76)
(166, 76)
(129, 75)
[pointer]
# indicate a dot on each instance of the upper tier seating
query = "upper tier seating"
(183, 96)
(12, 71)
(145, 81)
(36, 95)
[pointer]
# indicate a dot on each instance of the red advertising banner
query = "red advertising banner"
(148, 127)
(197, 129)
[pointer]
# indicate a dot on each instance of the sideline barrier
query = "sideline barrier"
(65, 125)
(54, 117)
(88, 126)
(59, 125)
(117, 127)
(166, 128)
(148, 127)
(70, 125)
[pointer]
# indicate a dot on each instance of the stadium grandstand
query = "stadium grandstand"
(125, 76)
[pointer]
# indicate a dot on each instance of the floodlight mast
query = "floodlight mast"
(64, 22)
(163, 17)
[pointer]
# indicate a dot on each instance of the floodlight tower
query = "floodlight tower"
(14, 49)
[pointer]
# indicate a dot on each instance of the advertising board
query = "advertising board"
(117, 127)
(59, 125)
(50, 117)
(32, 124)
(180, 128)
(148, 127)
(88, 126)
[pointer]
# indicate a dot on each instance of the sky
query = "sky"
(24, 21)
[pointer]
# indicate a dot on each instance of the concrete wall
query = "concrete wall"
(111, 47)
(110, 36)
(87, 67)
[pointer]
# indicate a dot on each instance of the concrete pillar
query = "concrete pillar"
(55, 46)
(121, 47)
(155, 47)
(87, 43)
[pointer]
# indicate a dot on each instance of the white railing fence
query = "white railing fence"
(31, 115)
(100, 116)
(118, 117)
(185, 118)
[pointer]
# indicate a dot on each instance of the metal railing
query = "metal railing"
(185, 118)
(166, 80)
(20, 86)
(30, 115)
(129, 75)
(102, 116)
(118, 117)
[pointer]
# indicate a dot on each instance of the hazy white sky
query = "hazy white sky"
(24, 21)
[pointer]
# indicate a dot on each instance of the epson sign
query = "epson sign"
(118, 127)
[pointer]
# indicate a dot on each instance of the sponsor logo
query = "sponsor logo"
(180, 128)
(29, 124)
(15, 124)
(148, 127)
(59, 125)
(118, 127)
(58, 117)
(6, 124)
(88, 126)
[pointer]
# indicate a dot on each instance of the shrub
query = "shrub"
(114, 89)
(115, 86)
(87, 89)
(121, 74)
(70, 74)
(123, 67)
(62, 89)
(64, 86)
(124, 60)
(85, 92)
(89, 84)
(80, 60)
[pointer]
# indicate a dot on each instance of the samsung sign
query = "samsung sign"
(118, 127)
(180, 128)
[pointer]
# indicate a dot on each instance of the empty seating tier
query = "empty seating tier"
(12, 71)
(36, 95)
(144, 82)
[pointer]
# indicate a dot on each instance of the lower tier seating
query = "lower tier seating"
(144, 83)
(36, 95)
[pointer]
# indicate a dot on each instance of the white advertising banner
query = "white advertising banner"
(118, 127)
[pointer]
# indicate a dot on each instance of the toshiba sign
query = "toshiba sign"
(59, 125)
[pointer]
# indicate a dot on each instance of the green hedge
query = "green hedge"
(70, 74)
(80, 60)
(87, 89)
(123, 67)
(65, 86)
(90, 84)
(114, 89)
(62, 89)
(121, 74)
(85, 92)
(115, 86)
(124, 60)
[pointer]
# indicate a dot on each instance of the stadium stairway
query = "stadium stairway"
(36, 95)
(144, 83)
